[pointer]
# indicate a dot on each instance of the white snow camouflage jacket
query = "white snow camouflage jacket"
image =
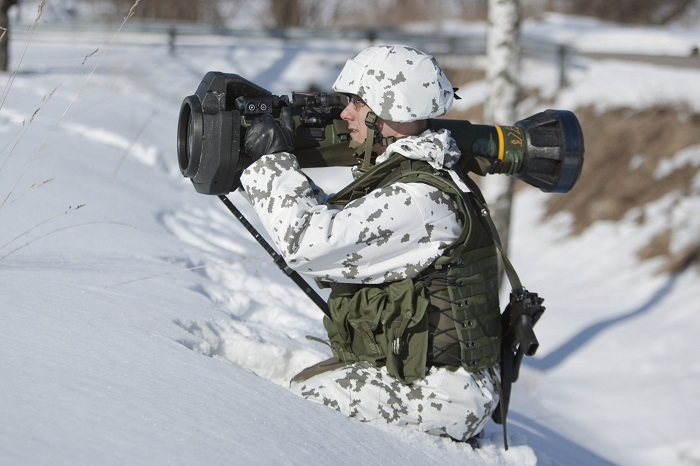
(390, 234)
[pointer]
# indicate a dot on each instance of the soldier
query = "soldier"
(415, 320)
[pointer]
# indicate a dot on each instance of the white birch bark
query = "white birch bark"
(503, 53)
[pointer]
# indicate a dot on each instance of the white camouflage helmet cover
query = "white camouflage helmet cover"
(399, 83)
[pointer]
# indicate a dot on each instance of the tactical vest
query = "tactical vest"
(449, 315)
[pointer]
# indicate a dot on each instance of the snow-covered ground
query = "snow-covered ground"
(141, 324)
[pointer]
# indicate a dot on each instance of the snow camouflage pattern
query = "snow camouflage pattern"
(390, 234)
(435, 147)
(453, 403)
(399, 83)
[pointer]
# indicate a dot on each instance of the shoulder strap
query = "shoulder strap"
(480, 203)
(367, 182)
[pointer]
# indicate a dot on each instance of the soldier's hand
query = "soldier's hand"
(266, 136)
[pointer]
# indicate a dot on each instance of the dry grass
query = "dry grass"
(623, 150)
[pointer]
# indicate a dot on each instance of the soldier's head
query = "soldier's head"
(401, 85)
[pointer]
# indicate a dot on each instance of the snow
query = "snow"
(142, 324)
(593, 35)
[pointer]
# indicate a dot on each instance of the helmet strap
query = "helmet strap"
(371, 123)
(375, 144)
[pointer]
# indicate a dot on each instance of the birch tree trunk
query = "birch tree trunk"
(503, 53)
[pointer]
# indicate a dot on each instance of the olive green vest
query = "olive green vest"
(448, 315)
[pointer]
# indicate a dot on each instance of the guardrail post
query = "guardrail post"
(172, 34)
(563, 54)
(371, 36)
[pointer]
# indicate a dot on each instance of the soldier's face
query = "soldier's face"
(355, 113)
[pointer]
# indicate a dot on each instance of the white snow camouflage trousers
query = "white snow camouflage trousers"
(446, 402)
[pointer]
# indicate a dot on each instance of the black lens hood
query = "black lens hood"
(190, 128)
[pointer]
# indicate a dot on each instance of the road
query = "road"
(692, 61)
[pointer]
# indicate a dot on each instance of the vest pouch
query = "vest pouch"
(385, 325)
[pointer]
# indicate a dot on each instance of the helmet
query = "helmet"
(399, 83)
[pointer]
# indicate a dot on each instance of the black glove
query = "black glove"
(266, 136)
